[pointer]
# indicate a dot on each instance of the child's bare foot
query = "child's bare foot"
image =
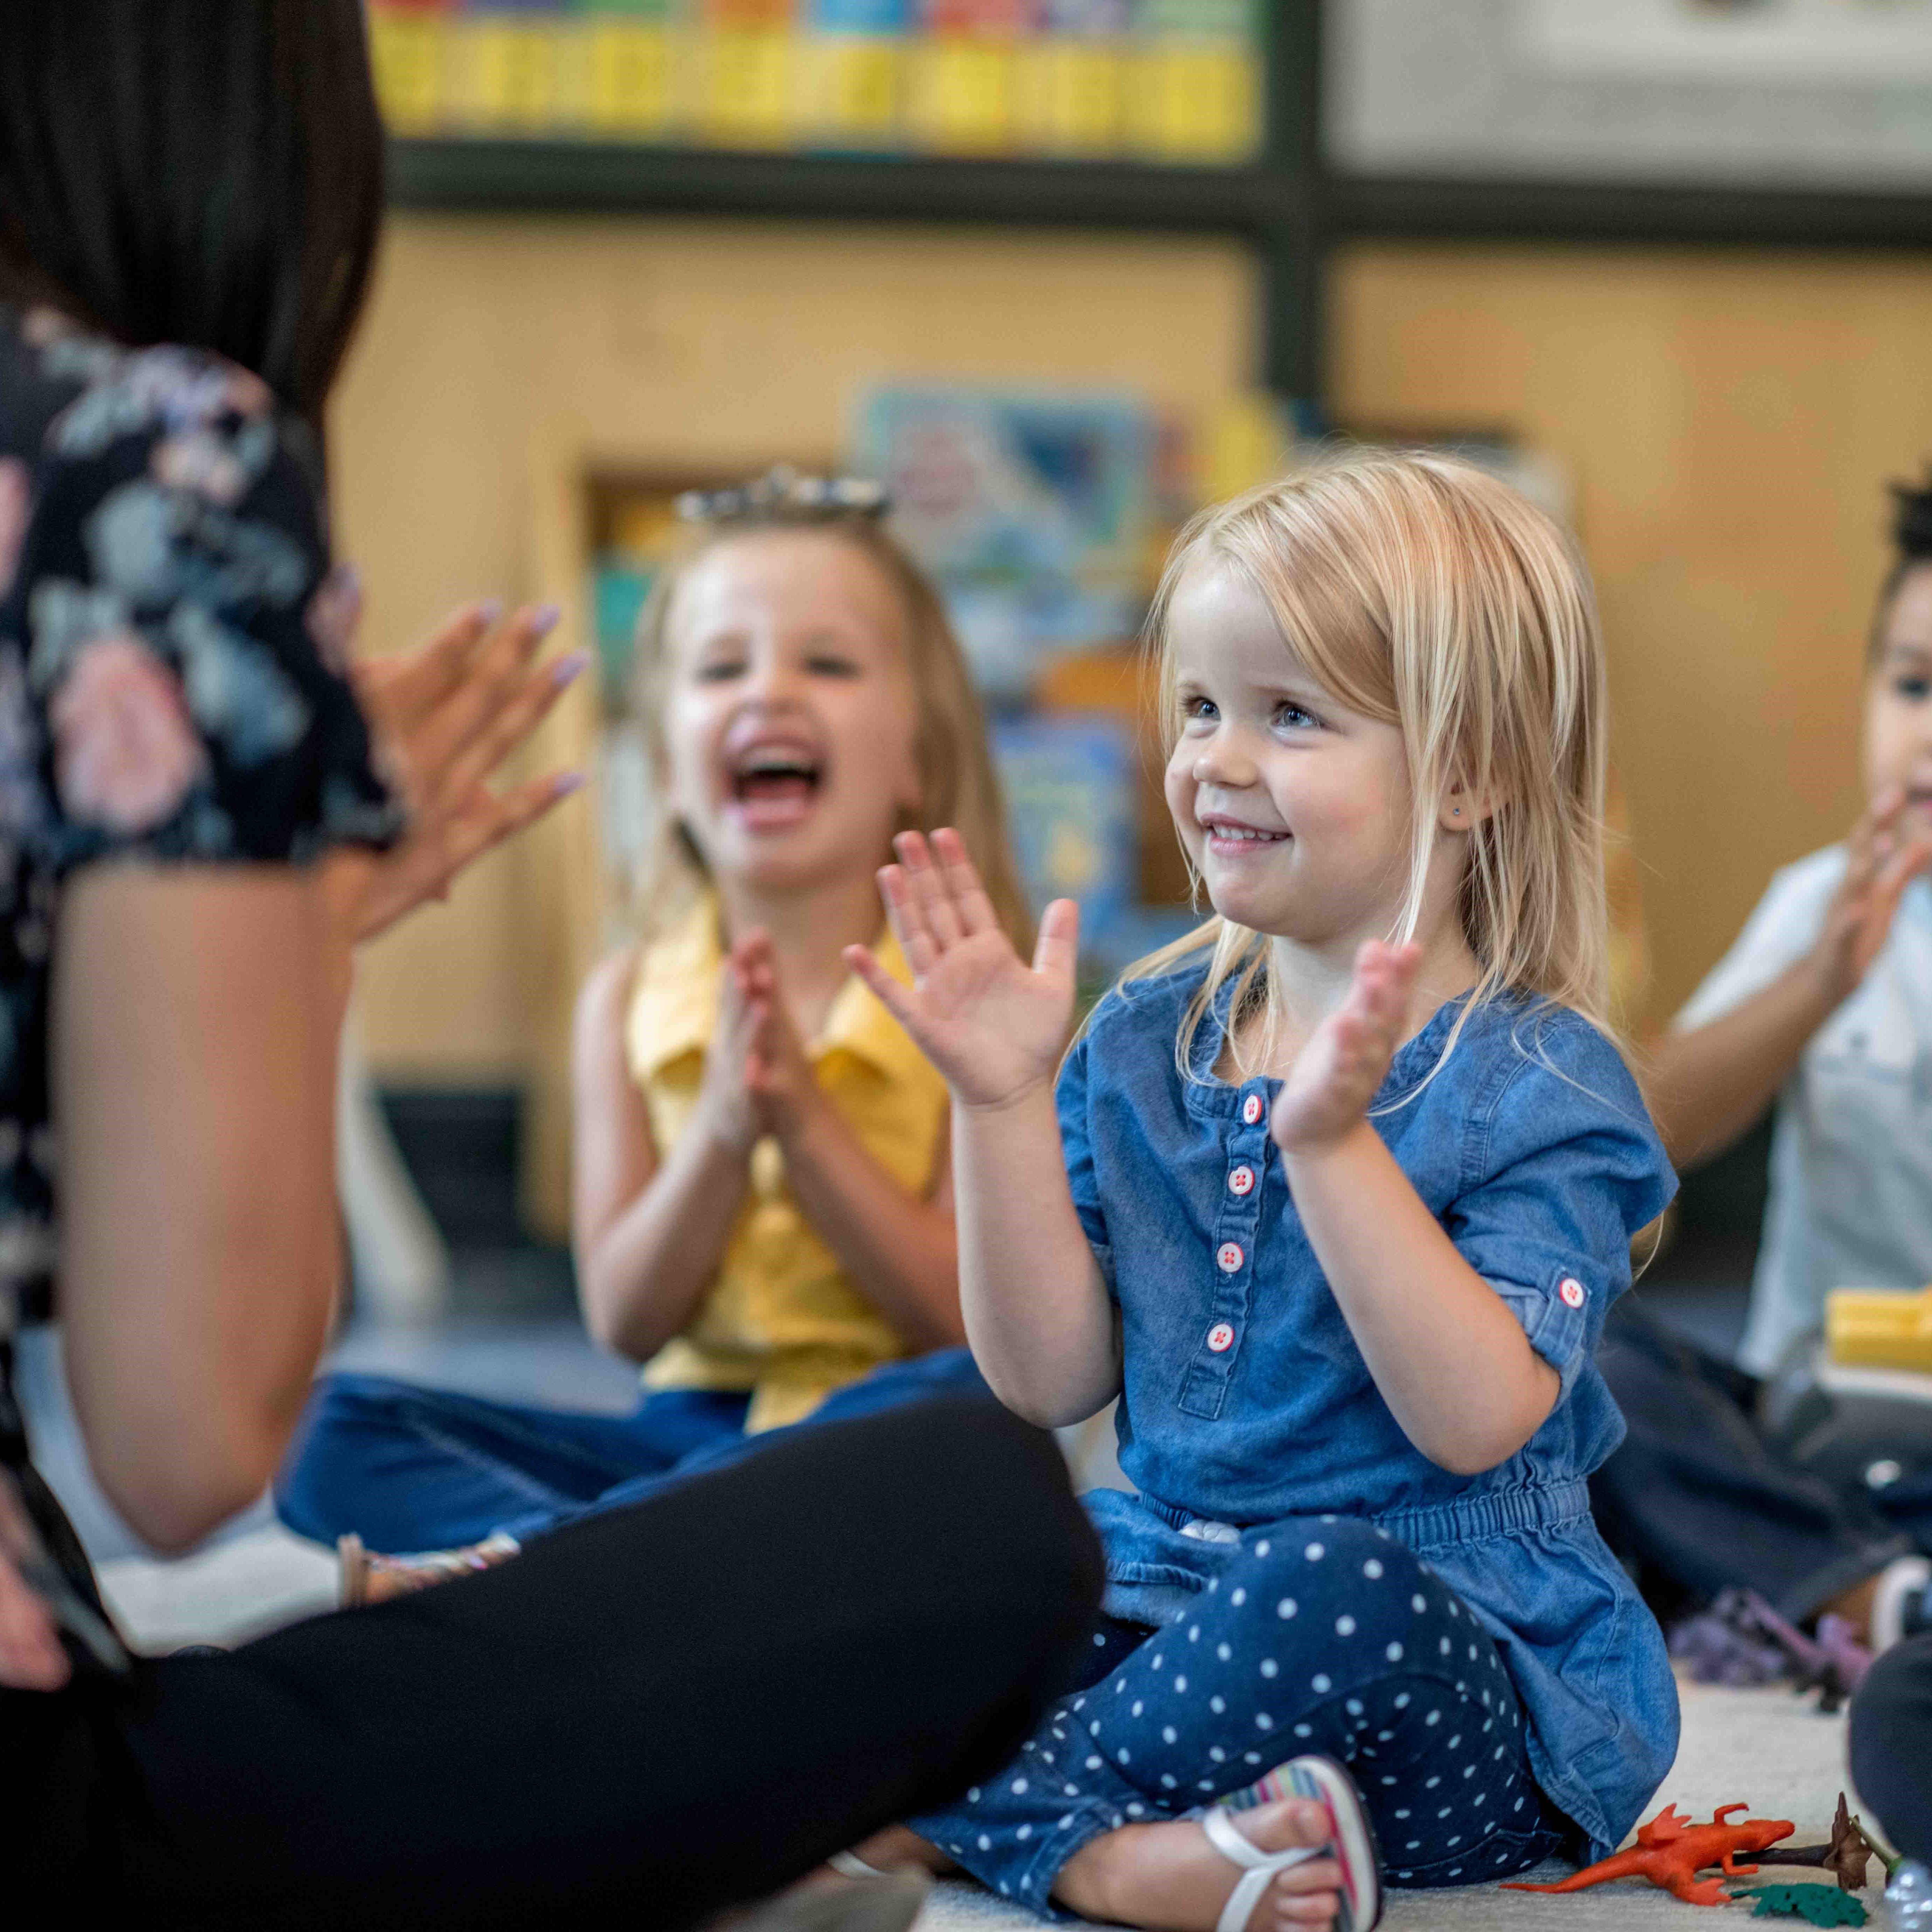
(1171, 1876)
(366, 1578)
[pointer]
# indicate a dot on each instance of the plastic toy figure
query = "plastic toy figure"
(1847, 1857)
(1815, 1904)
(1671, 1851)
(1734, 1641)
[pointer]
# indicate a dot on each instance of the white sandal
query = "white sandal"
(1351, 1843)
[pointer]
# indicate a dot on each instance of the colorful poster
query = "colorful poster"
(1033, 511)
(1069, 782)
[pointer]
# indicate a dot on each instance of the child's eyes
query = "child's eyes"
(1287, 714)
(826, 663)
(720, 670)
(1913, 690)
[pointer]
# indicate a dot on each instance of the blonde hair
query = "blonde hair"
(958, 783)
(1425, 593)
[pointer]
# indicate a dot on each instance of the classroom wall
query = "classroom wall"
(1726, 422)
(685, 343)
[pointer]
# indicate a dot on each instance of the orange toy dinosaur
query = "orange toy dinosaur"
(1671, 1851)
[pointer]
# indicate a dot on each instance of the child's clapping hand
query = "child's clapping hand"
(1882, 859)
(726, 1106)
(779, 1076)
(758, 1080)
(994, 1026)
(1347, 1057)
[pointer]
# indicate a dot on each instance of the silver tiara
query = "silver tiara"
(783, 492)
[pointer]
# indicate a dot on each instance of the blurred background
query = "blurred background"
(1060, 271)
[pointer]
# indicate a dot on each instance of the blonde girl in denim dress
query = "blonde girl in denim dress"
(1333, 1196)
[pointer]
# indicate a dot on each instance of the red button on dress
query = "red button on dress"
(1228, 1256)
(1242, 1180)
(1220, 1338)
(1251, 1109)
(1571, 1290)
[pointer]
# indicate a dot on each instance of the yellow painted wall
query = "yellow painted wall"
(1726, 422)
(685, 343)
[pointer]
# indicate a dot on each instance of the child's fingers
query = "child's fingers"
(1383, 975)
(962, 878)
(928, 886)
(755, 959)
(1871, 835)
(1887, 888)
(890, 994)
(1056, 951)
(907, 917)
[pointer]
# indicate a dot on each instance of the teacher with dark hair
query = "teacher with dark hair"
(654, 1713)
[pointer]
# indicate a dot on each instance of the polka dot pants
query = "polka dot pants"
(1323, 1635)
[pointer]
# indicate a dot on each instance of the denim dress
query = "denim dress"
(1245, 1400)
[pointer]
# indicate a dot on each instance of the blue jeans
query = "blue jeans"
(1326, 1636)
(409, 1468)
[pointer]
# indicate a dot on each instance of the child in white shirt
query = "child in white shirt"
(1824, 1005)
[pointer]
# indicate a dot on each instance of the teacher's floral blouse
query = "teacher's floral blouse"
(172, 645)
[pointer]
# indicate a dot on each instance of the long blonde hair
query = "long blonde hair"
(1426, 593)
(958, 783)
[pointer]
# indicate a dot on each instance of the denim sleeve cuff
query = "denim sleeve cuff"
(1554, 1313)
(1093, 1225)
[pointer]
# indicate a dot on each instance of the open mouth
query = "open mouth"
(776, 784)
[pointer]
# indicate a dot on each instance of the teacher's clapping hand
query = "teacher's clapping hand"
(448, 715)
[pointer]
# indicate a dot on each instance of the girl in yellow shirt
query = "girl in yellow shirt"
(762, 1212)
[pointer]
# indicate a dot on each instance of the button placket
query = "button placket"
(1230, 1262)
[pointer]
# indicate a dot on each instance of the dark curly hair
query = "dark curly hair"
(1912, 546)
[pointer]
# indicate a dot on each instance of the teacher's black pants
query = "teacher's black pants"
(651, 1714)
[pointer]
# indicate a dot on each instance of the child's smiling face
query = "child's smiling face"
(790, 721)
(1295, 810)
(1898, 702)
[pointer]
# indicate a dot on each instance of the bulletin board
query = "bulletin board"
(1752, 95)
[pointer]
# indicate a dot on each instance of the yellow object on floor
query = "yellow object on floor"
(1879, 1328)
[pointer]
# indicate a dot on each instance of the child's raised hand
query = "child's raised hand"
(1880, 863)
(993, 1025)
(1347, 1056)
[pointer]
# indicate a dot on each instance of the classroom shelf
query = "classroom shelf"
(1666, 215)
(530, 176)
